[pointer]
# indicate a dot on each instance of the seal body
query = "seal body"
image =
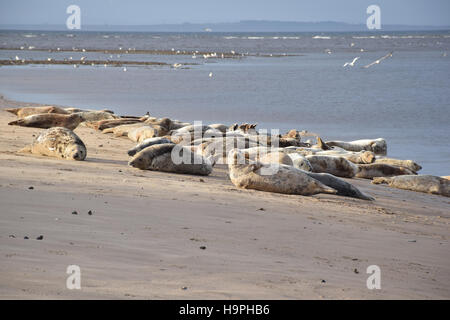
(335, 165)
(169, 157)
(49, 120)
(370, 171)
(419, 183)
(28, 111)
(409, 164)
(147, 143)
(377, 146)
(342, 187)
(283, 179)
(58, 142)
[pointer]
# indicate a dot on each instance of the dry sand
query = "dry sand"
(143, 239)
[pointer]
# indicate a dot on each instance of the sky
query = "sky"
(148, 12)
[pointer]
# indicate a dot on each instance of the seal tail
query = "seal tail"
(13, 110)
(27, 149)
(19, 122)
(322, 145)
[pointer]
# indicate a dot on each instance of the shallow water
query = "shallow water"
(405, 99)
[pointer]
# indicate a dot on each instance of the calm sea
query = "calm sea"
(404, 99)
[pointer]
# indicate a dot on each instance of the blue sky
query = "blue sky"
(137, 12)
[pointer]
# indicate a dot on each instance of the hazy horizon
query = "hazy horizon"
(139, 12)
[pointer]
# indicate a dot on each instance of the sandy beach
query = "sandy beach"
(154, 235)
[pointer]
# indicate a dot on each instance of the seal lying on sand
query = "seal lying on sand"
(93, 116)
(284, 179)
(147, 143)
(161, 157)
(337, 166)
(370, 171)
(377, 146)
(300, 162)
(420, 183)
(28, 111)
(58, 142)
(343, 187)
(411, 165)
(49, 120)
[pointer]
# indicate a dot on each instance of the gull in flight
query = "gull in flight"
(351, 64)
(379, 60)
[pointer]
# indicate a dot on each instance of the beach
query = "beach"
(155, 235)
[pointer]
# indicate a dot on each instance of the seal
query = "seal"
(411, 165)
(49, 120)
(300, 162)
(420, 183)
(28, 111)
(377, 146)
(147, 143)
(269, 178)
(361, 157)
(342, 187)
(337, 166)
(370, 171)
(161, 157)
(58, 142)
(139, 134)
(276, 158)
(97, 115)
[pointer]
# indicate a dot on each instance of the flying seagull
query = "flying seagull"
(351, 64)
(379, 60)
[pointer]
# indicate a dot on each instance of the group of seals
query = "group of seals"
(162, 157)
(169, 145)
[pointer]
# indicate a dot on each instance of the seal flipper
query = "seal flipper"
(26, 149)
(13, 110)
(343, 187)
(322, 145)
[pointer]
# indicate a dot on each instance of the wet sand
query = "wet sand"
(144, 236)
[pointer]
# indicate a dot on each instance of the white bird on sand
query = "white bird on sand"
(17, 58)
(351, 64)
(125, 69)
(176, 65)
(379, 60)
(210, 74)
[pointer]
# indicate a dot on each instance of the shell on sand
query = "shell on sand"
(58, 142)
(420, 183)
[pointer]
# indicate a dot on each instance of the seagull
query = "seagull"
(17, 58)
(379, 60)
(210, 74)
(176, 65)
(351, 64)
(125, 69)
